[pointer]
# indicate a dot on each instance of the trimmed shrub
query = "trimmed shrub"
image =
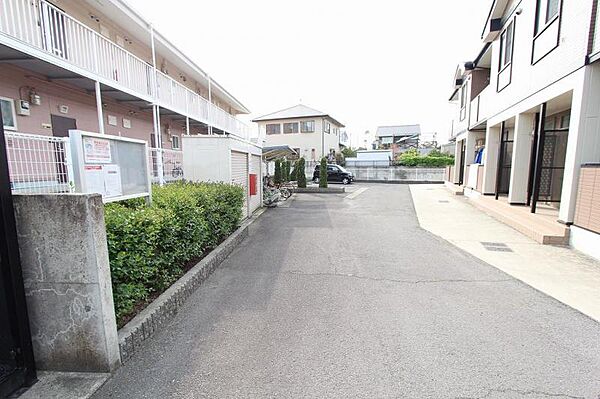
(149, 247)
(300, 173)
(323, 173)
(434, 159)
(278, 177)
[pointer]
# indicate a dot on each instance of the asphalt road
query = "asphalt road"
(342, 298)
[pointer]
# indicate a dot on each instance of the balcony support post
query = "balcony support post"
(187, 125)
(158, 143)
(99, 107)
(210, 128)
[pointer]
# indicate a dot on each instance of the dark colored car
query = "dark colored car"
(335, 173)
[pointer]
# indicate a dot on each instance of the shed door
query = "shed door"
(255, 170)
(239, 175)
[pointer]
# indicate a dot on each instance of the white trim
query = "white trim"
(585, 241)
(14, 114)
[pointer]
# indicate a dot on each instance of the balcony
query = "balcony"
(45, 32)
(479, 109)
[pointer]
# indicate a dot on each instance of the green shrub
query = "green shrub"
(285, 170)
(278, 177)
(323, 173)
(434, 159)
(300, 173)
(149, 246)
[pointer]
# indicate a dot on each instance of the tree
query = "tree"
(294, 172)
(300, 173)
(278, 176)
(286, 170)
(323, 173)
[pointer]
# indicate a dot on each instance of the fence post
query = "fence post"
(69, 162)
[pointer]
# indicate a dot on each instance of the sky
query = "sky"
(365, 63)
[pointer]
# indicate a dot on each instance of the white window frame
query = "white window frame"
(292, 124)
(326, 127)
(302, 125)
(175, 139)
(504, 63)
(272, 124)
(13, 111)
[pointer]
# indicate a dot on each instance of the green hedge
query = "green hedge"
(149, 246)
(434, 159)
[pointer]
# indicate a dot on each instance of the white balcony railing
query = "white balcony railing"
(479, 108)
(46, 28)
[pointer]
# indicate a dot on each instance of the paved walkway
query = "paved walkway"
(560, 272)
(340, 297)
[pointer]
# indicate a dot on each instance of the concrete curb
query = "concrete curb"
(319, 190)
(162, 309)
(399, 181)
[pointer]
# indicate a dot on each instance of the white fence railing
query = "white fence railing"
(39, 164)
(43, 26)
(172, 164)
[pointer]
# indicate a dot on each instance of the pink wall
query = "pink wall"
(82, 107)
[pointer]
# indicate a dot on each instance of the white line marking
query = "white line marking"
(357, 193)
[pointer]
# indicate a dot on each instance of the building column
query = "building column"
(457, 161)
(469, 154)
(490, 159)
(582, 142)
(521, 158)
(99, 107)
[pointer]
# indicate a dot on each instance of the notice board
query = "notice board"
(115, 167)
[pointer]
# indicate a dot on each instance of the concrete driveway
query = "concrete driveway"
(339, 297)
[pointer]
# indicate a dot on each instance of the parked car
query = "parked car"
(335, 173)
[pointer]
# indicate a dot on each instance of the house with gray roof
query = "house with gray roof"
(311, 133)
(399, 138)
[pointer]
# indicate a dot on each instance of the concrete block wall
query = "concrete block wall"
(64, 256)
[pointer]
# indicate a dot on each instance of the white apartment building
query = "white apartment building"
(527, 127)
(99, 66)
(312, 134)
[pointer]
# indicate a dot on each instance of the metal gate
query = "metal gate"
(16, 353)
(504, 162)
(549, 166)
(239, 175)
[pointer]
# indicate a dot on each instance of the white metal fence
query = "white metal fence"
(39, 164)
(46, 28)
(170, 161)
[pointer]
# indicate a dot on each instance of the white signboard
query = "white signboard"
(96, 150)
(94, 177)
(112, 181)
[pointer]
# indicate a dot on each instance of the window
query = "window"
(289, 128)
(326, 127)
(175, 142)
(9, 116)
(307, 126)
(274, 128)
(506, 45)
(545, 13)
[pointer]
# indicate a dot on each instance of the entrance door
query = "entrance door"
(461, 172)
(60, 128)
(504, 163)
(550, 160)
(61, 125)
(16, 354)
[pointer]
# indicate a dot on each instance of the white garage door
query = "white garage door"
(239, 175)
(255, 165)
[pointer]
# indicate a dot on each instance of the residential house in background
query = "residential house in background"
(528, 118)
(312, 134)
(99, 66)
(398, 138)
